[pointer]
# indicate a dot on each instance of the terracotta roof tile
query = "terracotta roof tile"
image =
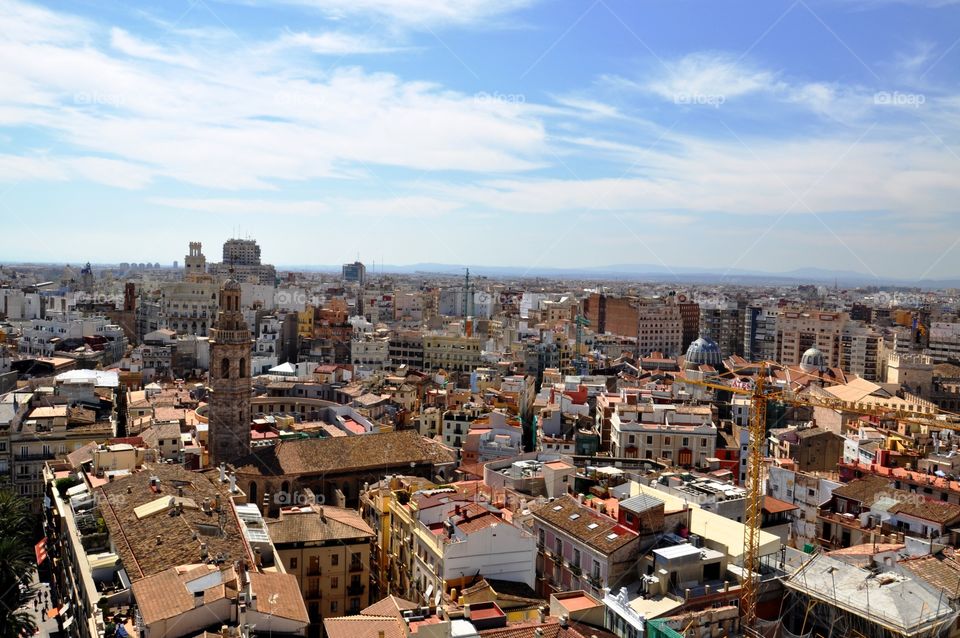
(314, 456)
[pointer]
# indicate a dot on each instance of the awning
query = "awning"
(52, 613)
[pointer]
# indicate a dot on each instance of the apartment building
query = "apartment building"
(580, 548)
(760, 333)
(453, 353)
(656, 323)
(445, 540)
(861, 351)
(189, 307)
(684, 435)
(800, 330)
(328, 550)
(723, 323)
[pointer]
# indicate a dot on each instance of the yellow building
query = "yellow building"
(376, 506)
(305, 322)
(328, 550)
(451, 352)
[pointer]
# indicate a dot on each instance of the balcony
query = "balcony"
(355, 589)
(35, 456)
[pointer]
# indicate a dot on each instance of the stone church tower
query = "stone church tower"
(229, 401)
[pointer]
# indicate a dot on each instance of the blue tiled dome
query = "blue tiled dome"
(704, 351)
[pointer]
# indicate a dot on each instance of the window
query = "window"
(559, 547)
(334, 582)
(666, 440)
(334, 559)
(333, 606)
(541, 536)
(293, 563)
(596, 569)
(576, 557)
(685, 442)
(649, 440)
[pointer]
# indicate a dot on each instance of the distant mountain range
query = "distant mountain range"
(658, 273)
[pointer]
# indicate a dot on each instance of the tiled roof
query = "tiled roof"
(181, 535)
(279, 595)
(941, 571)
(364, 626)
(165, 594)
(389, 606)
(342, 454)
(864, 490)
(335, 523)
(773, 505)
(587, 525)
(928, 510)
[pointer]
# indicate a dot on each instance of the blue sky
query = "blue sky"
(752, 135)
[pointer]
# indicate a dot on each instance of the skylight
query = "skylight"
(612, 536)
(574, 517)
(557, 508)
(593, 525)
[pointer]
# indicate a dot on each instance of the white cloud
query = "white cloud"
(415, 13)
(331, 43)
(126, 43)
(709, 75)
(414, 206)
(241, 119)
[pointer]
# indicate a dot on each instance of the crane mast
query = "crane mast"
(751, 540)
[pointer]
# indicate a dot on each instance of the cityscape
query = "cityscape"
(463, 319)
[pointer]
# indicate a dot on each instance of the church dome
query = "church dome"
(813, 361)
(704, 351)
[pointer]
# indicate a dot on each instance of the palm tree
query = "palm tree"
(16, 566)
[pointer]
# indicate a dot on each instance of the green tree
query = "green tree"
(16, 566)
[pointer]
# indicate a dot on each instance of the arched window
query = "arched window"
(225, 368)
(243, 367)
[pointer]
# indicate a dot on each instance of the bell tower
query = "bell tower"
(229, 404)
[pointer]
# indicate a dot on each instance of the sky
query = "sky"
(713, 134)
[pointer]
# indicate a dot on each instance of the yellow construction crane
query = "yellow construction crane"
(760, 395)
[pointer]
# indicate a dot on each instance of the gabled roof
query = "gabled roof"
(585, 524)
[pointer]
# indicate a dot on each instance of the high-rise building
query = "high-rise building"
(241, 252)
(229, 404)
(861, 351)
(760, 333)
(723, 323)
(690, 319)
(800, 330)
(241, 261)
(656, 323)
(355, 272)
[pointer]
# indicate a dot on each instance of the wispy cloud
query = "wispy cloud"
(411, 13)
